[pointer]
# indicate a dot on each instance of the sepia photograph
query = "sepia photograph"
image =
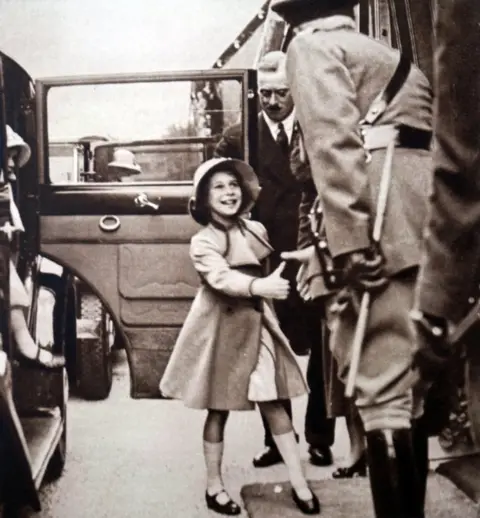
(276, 313)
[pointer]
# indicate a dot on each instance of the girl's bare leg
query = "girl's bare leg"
(284, 437)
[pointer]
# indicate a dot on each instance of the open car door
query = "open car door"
(125, 232)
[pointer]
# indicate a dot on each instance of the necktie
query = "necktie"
(282, 138)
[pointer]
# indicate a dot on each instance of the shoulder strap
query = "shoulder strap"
(384, 98)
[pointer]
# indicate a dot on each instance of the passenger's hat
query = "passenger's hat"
(124, 160)
(244, 172)
(296, 10)
(14, 140)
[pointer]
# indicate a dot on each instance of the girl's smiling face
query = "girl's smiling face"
(224, 195)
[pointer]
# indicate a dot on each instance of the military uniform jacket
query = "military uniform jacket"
(334, 74)
(218, 346)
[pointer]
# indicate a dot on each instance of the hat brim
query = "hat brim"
(127, 169)
(24, 153)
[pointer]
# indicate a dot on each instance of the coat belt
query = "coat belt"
(379, 136)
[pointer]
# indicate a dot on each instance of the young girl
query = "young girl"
(231, 353)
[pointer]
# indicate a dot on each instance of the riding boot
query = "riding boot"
(420, 448)
(393, 474)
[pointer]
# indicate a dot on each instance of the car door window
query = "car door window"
(160, 131)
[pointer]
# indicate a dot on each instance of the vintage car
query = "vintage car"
(114, 253)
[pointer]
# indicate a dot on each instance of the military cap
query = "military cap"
(298, 10)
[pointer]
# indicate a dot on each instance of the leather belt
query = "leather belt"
(378, 137)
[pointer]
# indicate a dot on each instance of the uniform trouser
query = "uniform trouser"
(387, 391)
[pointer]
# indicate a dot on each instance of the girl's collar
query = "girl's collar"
(223, 226)
(329, 23)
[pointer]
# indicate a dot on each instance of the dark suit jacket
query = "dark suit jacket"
(277, 208)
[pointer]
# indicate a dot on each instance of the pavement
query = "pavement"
(143, 458)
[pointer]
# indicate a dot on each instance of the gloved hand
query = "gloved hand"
(434, 351)
(362, 270)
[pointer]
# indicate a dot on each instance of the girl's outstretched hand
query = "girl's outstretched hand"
(272, 287)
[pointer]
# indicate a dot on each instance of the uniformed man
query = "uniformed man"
(335, 74)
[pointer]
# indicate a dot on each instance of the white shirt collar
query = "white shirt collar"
(288, 124)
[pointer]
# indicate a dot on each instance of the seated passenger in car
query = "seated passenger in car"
(123, 165)
(27, 351)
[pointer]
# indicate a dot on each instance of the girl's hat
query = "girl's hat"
(243, 171)
(14, 140)
(125, 160)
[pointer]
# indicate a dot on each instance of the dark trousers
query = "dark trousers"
(319, 430)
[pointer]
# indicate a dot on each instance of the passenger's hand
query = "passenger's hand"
(363, 270)
(272, 287)
(303, 256)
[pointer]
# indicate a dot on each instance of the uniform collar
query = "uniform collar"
(329, 23)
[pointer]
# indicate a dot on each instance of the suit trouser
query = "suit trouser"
(387, 391)
(319, 429)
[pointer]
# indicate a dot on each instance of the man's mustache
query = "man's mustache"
(274, 108)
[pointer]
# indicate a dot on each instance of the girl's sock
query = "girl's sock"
(288, 448)
(213, 453)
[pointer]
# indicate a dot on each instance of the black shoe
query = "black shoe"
(357, 469)
(320, 455)
(311, 506)
(267, 457)
(230, 508)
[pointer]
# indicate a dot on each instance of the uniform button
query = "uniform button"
(471, 300)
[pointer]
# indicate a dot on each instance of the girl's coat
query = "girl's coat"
(218, 346)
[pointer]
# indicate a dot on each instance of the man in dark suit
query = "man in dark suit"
(277, 208)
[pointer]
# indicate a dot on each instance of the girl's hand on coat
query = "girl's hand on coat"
(272, 287)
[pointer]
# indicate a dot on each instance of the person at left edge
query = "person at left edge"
(277, 208)
(231, 353)
(28, 353)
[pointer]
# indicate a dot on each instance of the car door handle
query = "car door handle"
(109, 223)
(142, 201)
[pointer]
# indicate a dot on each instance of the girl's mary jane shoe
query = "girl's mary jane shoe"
(311, 506)
(230, 507)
